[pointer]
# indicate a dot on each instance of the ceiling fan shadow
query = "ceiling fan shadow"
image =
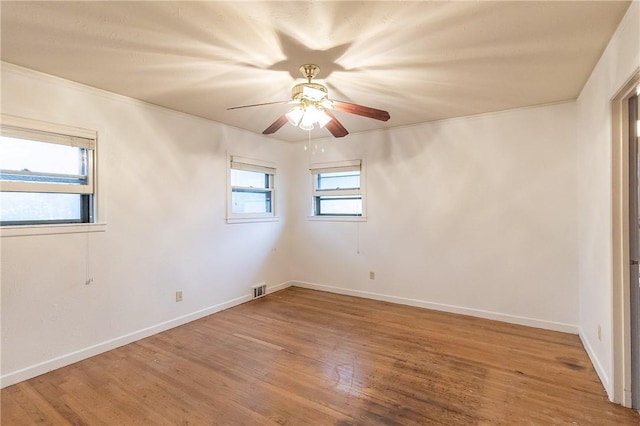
(297, 53)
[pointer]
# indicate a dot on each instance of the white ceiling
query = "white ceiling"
(421, 61)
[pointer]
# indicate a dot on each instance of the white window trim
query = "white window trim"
(337, 218)
(338, 166)
(12, 125)
(252, 165)
(83, 137)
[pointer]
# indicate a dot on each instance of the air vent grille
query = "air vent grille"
(259, 290)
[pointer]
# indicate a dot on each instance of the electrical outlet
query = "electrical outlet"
(599, 332)
(372, 275)
(179, 296)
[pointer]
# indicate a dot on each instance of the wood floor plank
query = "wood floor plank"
(37, 410)
(13, 412)
(306, 357)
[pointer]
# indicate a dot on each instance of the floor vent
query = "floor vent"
(259, 290)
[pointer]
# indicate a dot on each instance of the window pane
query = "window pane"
(41, 157)
(249, 179)
(345, 206)
(339, 180)
(248, 201)
(40, 207)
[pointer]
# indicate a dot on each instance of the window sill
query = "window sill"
(252, 219)
(338, 218)
(32, 230)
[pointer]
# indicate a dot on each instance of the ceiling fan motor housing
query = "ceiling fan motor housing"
(297, 90)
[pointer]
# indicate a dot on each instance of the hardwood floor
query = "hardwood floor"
(300, 357)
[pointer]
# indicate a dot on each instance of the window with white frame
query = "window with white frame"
(46, 173)
(338, 189)
(251, 189)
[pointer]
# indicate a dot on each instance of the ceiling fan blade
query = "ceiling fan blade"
(334, 126)
(364, 111)
(254, 105)
(276, 125)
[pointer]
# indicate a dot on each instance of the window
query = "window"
(338, 189)
(252, 190)
(46, 173)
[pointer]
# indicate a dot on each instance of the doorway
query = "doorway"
(624, 383)
(634, 247)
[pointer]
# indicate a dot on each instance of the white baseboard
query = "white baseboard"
(70, 358)
(596, 364)
(73, 357)
(279, 287)
(512, 319)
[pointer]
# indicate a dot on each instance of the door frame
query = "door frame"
(621, 348)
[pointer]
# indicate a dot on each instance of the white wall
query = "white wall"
(620, 60)
(474, 215)
(163, 186)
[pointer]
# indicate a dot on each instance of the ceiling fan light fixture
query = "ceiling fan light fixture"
(307, 115)
(295, 115)
(323, 119)
(309, 118)
(311, 113)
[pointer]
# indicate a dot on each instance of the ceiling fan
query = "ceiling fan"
(313, 107)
